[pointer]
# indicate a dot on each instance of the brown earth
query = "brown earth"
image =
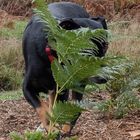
(16, 116)
(19, 116)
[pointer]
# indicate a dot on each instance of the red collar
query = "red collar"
(50, 56)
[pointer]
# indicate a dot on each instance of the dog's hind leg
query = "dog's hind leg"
(42, 111)
(46, 109)
(32, 97)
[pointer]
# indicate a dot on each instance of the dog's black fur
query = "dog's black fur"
(38, 74)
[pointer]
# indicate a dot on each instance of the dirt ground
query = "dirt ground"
(19, 116)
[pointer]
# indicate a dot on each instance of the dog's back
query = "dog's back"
(63, 10)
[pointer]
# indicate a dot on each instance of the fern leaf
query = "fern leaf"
(65, 112)
(69, 46)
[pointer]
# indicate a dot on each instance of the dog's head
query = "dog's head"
(92, 23)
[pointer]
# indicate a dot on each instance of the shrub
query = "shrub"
(11, 65)
(10, 79)
(123, 88)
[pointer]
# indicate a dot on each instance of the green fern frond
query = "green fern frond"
(65, 112)
(123, 88)
(69, 45)
(80, 68)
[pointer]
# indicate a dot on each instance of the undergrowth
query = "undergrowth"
(11, 95)
(11, 65)
(28, 136)
(10, 79)
(11, 59)
(16, 32)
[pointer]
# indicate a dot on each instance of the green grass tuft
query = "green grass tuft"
(13, 33)
(11, 95)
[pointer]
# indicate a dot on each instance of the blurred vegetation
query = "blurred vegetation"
(11, 95)
(15, 31)
(11, 59)
(28, 136)
(108, 8)
(36, 136)
(123, 88)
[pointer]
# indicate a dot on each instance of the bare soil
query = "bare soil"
(18, 116)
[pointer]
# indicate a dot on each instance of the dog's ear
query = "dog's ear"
(69, 24)
(100, 19)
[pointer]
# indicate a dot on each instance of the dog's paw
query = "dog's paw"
(40, 128)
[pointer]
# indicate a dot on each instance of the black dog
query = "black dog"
(38, 55)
